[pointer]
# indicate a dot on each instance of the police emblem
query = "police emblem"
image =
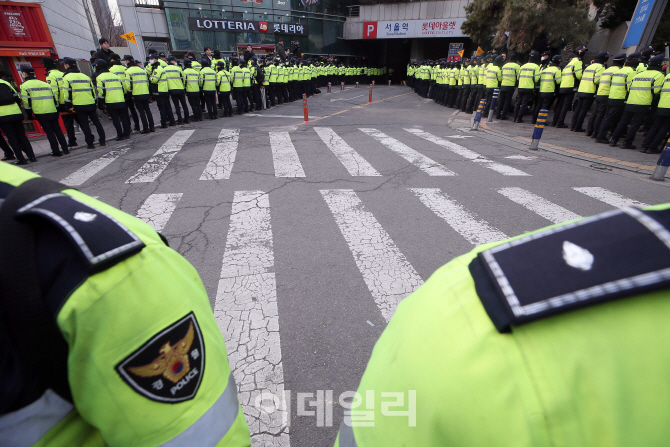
(167, 368)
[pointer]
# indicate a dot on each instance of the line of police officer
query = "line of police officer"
(630, 94)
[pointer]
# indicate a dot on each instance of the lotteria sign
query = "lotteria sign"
(241, 26)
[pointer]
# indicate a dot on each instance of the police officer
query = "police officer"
(256, 82)
(111, 97)
(570, 77)
(602, 94)
(80, 96)
(192, 86)
(529, 77)
(643, 89)
(493, 78)
(545, 60)
(237, 74)
(616, 100)
(550, 79)
(11, 123)
(106, 334)
(41, 104)
(175, 79)
(586, 92)
(208, 86)
(224, 86)
(553, 358)
(510, 79)
(656, 135)
(55, 80)
(272, 72)
(117, 68)
(137, 82)
(159, 78)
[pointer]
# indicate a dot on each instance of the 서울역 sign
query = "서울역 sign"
(241, 26)
(404, 29)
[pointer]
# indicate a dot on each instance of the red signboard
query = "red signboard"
(23, 26)
(15, 24)
(369, 30)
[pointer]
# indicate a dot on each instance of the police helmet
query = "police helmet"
(657, 60)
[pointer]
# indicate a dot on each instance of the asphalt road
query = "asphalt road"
(308, 235)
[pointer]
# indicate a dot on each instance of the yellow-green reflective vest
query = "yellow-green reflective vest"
(192, 80)
(160, 77)
(127, 308)
(606, 80)
(510, 74)
(174, 77)
(570, 72)
(80, 89)
(110, 88)
(664, 102)
(208, 79)
(12, 109)
(591, 78)
(38, 96)
(493, 76)
(620, 81)
(223, 80)
(529, 74)
(549, 78)
(644, 86)
(138, 79)
(238, 77)
(57, 83)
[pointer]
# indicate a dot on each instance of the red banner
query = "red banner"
(15, 24)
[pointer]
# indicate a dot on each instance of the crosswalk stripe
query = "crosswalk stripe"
(386, 271)
(419, 160)
(221, 163)
(159, 161)
(157, 209)
(352, 160)
(87, 171)
(467, 153)
(548, 210)
(476, 232)
(609, 197)
(247, 315)
(286, 161)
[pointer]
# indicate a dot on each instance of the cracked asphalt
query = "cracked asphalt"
(323, 227)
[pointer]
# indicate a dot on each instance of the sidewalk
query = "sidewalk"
(564, 142)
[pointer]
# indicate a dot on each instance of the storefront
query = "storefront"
(24, 40)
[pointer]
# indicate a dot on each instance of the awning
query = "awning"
(37, 52)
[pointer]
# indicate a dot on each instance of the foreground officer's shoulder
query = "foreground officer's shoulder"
(617, 254)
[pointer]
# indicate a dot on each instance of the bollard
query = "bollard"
(342, 86)
(389, 83)
(478, 115)
(329, 85)
(357, 85)
(370, 100)
(662, 164)
(492, 109)
(373, 82)
(263, 97)
(539, 127)
(304, 104)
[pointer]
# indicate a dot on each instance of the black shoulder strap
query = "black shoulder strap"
(32, 328)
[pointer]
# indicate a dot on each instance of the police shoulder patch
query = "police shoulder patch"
(169, 367)
(612, 255)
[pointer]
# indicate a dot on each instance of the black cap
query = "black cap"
(48, 62)
(128, 58)
(115, 57)
(620, 57)
(581, 48)
(557, 59)
(657, 60)
(27, 69)
(69, 61)
(220, 64)
(100, 63)
(171, 58)
(647, 52)
(602, 56)
(633, 56)
(161, 54)
(187, 62)
(205, 62)
(546, 53)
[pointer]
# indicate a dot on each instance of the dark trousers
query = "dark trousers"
(612, 117)
(121, 121)
(239, 99)
(68, 121)
(504, 103)
(83, 122)
(657, 132)
(178, 99)
(130, 104)
(542, 103)
(210, 102)
(632, 120)
(489, 98)
(524, 97)
(597, 116)
(9, 153)
(464, 98)
(194, 101)
(584, 103)
(17, 139)
(256, 91)
(224, 100)
(249, 98)
(165, 110)
(145, 113)
(472, 100)
(562, 106)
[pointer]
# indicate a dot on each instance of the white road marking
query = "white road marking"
(279, 116)
(609, 197)
(345, 99)
(520, 157)
(286, 161)
(221, 163)
(459, 137)
(352, 160)
(159, 161)
(467, 153)
(455, 112)
(419, 160)
(247, 315)
(87, 171)
(548, 210)
(476, 231)
(386, 271)
(157, 209)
